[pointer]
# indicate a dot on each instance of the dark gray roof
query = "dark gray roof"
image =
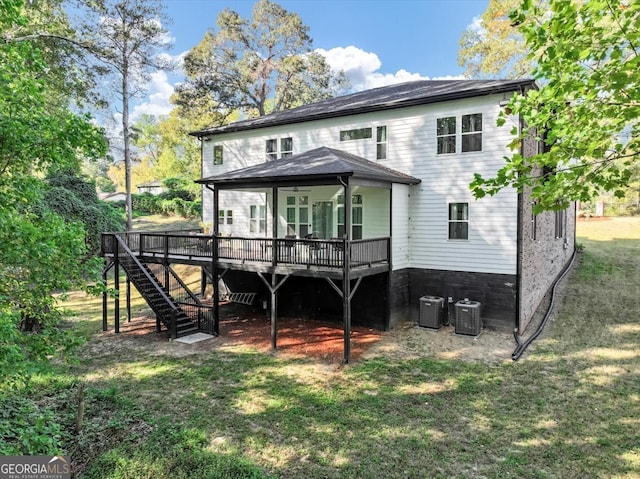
(384, 98)
(319, 166)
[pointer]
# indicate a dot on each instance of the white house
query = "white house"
(390, 163)
(152, 187)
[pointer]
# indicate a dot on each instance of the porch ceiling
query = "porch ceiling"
(321, 166)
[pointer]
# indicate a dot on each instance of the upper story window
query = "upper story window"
(459, 221)
(286, 147)
(381, 143)
(217, 154)
(275, 149)
(472, 132)
(357, 134)
(446, 134)
(470, 135)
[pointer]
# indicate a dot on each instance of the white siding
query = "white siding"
(400, 257)
(411, 148)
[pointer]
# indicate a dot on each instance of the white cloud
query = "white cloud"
(362, 67)
(477, 26)
(159, 90)
(157, 101)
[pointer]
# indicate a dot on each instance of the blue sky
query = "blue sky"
(376, 42)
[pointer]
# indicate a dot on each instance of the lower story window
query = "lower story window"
(257, 219)
(559, 224)
(459, 221)
(356, 216)
(225, 217)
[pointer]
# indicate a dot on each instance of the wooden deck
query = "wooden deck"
(303, 257)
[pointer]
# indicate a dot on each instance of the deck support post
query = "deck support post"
(116, 275)
(105, 325)
(274, 311)
(215, 281)
(128, 285)
(346, 271)
(273, 287)
(274, 226)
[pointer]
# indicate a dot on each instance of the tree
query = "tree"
(258, 65)
(586, 111)
(128, 36)
(40, 250)
(164, 148)
(74, 198)
(71, 76)
(492, 46)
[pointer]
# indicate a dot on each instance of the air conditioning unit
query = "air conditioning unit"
(431, 312)
(468, 319)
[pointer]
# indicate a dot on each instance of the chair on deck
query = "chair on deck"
(337, 250)
(314, 247)
(286, 247)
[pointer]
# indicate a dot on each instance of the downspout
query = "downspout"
(519, 241)
(519, 247)
(522, 346)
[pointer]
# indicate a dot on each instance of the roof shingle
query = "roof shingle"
(378, 99)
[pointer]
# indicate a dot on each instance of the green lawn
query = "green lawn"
(569, 409)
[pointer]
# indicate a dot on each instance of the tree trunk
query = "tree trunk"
(126, 139)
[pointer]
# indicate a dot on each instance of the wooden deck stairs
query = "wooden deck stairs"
(167, 311)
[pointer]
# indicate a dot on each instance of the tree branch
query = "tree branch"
(7, 38)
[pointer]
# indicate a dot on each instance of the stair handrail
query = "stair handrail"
(185, 288)
(146, 273)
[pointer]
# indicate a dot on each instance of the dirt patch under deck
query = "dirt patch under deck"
(302, 337)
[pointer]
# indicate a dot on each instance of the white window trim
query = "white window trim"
(480, 132)
(385, 142)
(226, 218)
(279, 152)
(258, 220)
(454, 135)
(449, 220)
(459, 135)
(221, 149)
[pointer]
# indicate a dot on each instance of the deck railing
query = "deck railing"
(279, 251)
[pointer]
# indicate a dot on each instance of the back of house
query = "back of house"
(407, 153)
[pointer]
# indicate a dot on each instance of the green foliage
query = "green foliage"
(586, 112)
(492, 46)
(172, 452)
(41, 252)
(168, 204)
(75, 199)
(178, 200)
(105, 184)
(257, 65)
(27, 428)
(39, 256)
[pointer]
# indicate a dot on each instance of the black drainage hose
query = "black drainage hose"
(522, 346)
